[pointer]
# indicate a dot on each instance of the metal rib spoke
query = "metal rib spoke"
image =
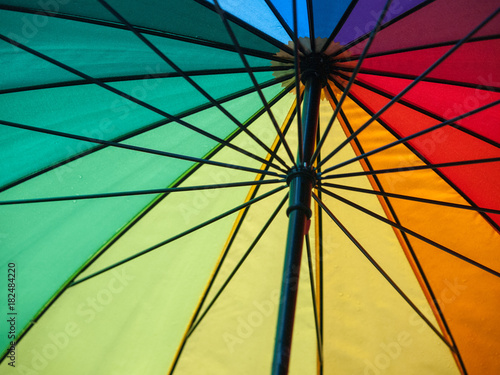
(319, 339)
(140, 192)
(411, 168)
(411, 198)
(296, 63)
(137, 148)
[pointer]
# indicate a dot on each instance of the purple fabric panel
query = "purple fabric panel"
(365, 14)
(438, 22)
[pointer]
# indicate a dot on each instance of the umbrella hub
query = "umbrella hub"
(304, 172)
(316, 65)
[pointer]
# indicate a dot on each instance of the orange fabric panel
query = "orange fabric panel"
(468, 296)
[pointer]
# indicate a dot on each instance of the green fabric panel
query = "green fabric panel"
(91, 111)
(114, 53)
(52, 240)
(166, 16)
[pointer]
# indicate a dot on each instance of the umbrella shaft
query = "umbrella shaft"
(301, 182)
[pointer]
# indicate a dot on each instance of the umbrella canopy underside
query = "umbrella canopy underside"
(145, 147)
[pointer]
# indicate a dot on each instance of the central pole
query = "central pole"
(301, 181)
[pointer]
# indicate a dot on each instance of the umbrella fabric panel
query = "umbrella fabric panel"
(365, 14)
(266, 22)
(446, 101)
(357, 295)
(327, 15)
(115, 54)
(91, 111)
(158, 16)
(451, 280)
(439, 21)
(285, 9)
(446, 144)
(478, 64)
(393, 339)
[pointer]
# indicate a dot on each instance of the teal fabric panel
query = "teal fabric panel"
(158, 15)
(99, 51)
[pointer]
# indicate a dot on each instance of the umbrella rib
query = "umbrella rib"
(411, 198)
(128, 97)
(140, 192)
(412, 168)
(420, 47)
(382, 272)
(338, 105)
(192, 83)
(139, 77)
(426, 79)
(310, 19)
(176, 237)
(410, 86)
(421, 110)
(229, 243)
(159, 33)
(296, 46)
(319, 255)
(152, 127)
(412, 136)
(222, 15)
(239, 264)
(319, 339)
(413, 233)
(136, 148)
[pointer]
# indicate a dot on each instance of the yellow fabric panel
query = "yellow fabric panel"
(467, 296)
(237, 335)
(369, 328)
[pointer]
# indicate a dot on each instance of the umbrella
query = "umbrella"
(231, 187)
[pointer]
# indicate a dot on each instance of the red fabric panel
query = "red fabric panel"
(445, 145)
(441, 21)
(477, 63)
(447, 101)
